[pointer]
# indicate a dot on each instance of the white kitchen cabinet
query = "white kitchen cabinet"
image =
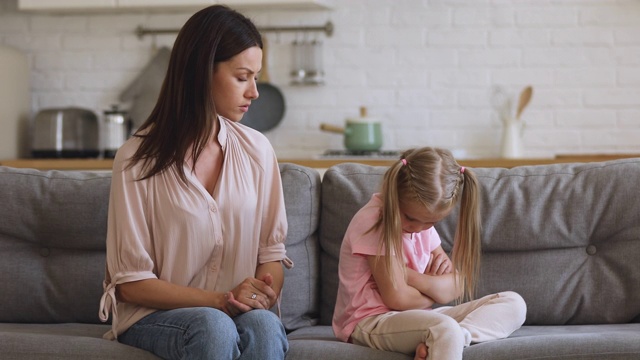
(280, 4)
(123, 5)
(155, 4)
(63, 5)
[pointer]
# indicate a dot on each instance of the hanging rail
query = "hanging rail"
(327, 28)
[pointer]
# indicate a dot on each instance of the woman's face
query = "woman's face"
(416, 217)
(234, 83)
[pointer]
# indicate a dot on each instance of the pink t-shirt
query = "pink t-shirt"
(165, 228)
(358, 297)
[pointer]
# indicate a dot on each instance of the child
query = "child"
(393, 269)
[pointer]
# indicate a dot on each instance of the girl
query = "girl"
(197, 223)
(392, 268)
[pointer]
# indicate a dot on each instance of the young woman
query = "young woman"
(196, 223)
(393, 269)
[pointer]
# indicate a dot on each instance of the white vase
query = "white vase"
(512, 140)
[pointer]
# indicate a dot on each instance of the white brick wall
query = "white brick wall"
(425, 68)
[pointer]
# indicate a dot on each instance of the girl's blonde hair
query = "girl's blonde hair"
(432, 177)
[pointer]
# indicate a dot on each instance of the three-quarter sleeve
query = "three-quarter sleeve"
(128, 237)
(273, 230)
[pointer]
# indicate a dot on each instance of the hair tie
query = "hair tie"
(462, 169)
(404, 161)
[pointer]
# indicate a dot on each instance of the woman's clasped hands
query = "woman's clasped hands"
(250, 294)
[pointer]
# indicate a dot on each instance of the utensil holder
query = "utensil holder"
(512, 140)
(307, 62)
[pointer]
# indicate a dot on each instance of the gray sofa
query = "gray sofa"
(566, 237)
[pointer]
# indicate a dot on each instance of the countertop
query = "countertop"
(319, 163)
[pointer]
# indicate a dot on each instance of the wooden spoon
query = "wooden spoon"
(525, 97)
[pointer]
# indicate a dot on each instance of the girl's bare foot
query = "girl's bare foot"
(421, 352)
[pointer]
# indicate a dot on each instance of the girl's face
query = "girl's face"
(234, 83)
(416, 218)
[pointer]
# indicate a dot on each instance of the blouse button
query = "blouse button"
(44, 252)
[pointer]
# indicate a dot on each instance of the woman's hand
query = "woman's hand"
(251, 294)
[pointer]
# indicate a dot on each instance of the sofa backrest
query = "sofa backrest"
(565, 236)
(300, 293)
(52, 245)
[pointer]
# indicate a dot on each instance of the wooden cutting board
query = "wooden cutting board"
(14, 104)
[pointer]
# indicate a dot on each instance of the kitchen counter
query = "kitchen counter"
(319, 163)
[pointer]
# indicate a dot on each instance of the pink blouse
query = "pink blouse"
(165, 228)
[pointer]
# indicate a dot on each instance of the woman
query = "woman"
(196, 226)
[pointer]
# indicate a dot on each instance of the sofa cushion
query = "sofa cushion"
(345, 189)
(52, 243)
(299, 306)
(568, 342)
(63, 342)
(318, 342)
(565, 236)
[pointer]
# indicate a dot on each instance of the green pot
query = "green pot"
(363, 136)
(359, 134)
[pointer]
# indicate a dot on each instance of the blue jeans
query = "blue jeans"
(207, 333)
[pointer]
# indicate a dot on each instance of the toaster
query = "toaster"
(65, 133)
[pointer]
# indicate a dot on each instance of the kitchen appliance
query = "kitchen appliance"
(360, 134)
(70, 132)
(115, 130)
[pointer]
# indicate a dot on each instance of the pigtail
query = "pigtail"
(390, 224)
(467, 245)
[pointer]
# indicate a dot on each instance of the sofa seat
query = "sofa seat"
(610, 341)
(584, 342)
(84, 341)
(63, 341)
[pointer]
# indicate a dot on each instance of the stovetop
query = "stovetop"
(380, 154)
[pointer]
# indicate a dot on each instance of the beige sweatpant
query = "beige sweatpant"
(445, 330)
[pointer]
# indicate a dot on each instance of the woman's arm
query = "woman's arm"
(160, 294)
(398, 297)
(271, 274)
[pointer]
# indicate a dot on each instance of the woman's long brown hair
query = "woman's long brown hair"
(183, 118)
(432, 177)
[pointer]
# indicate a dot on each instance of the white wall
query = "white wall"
(425, 67)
